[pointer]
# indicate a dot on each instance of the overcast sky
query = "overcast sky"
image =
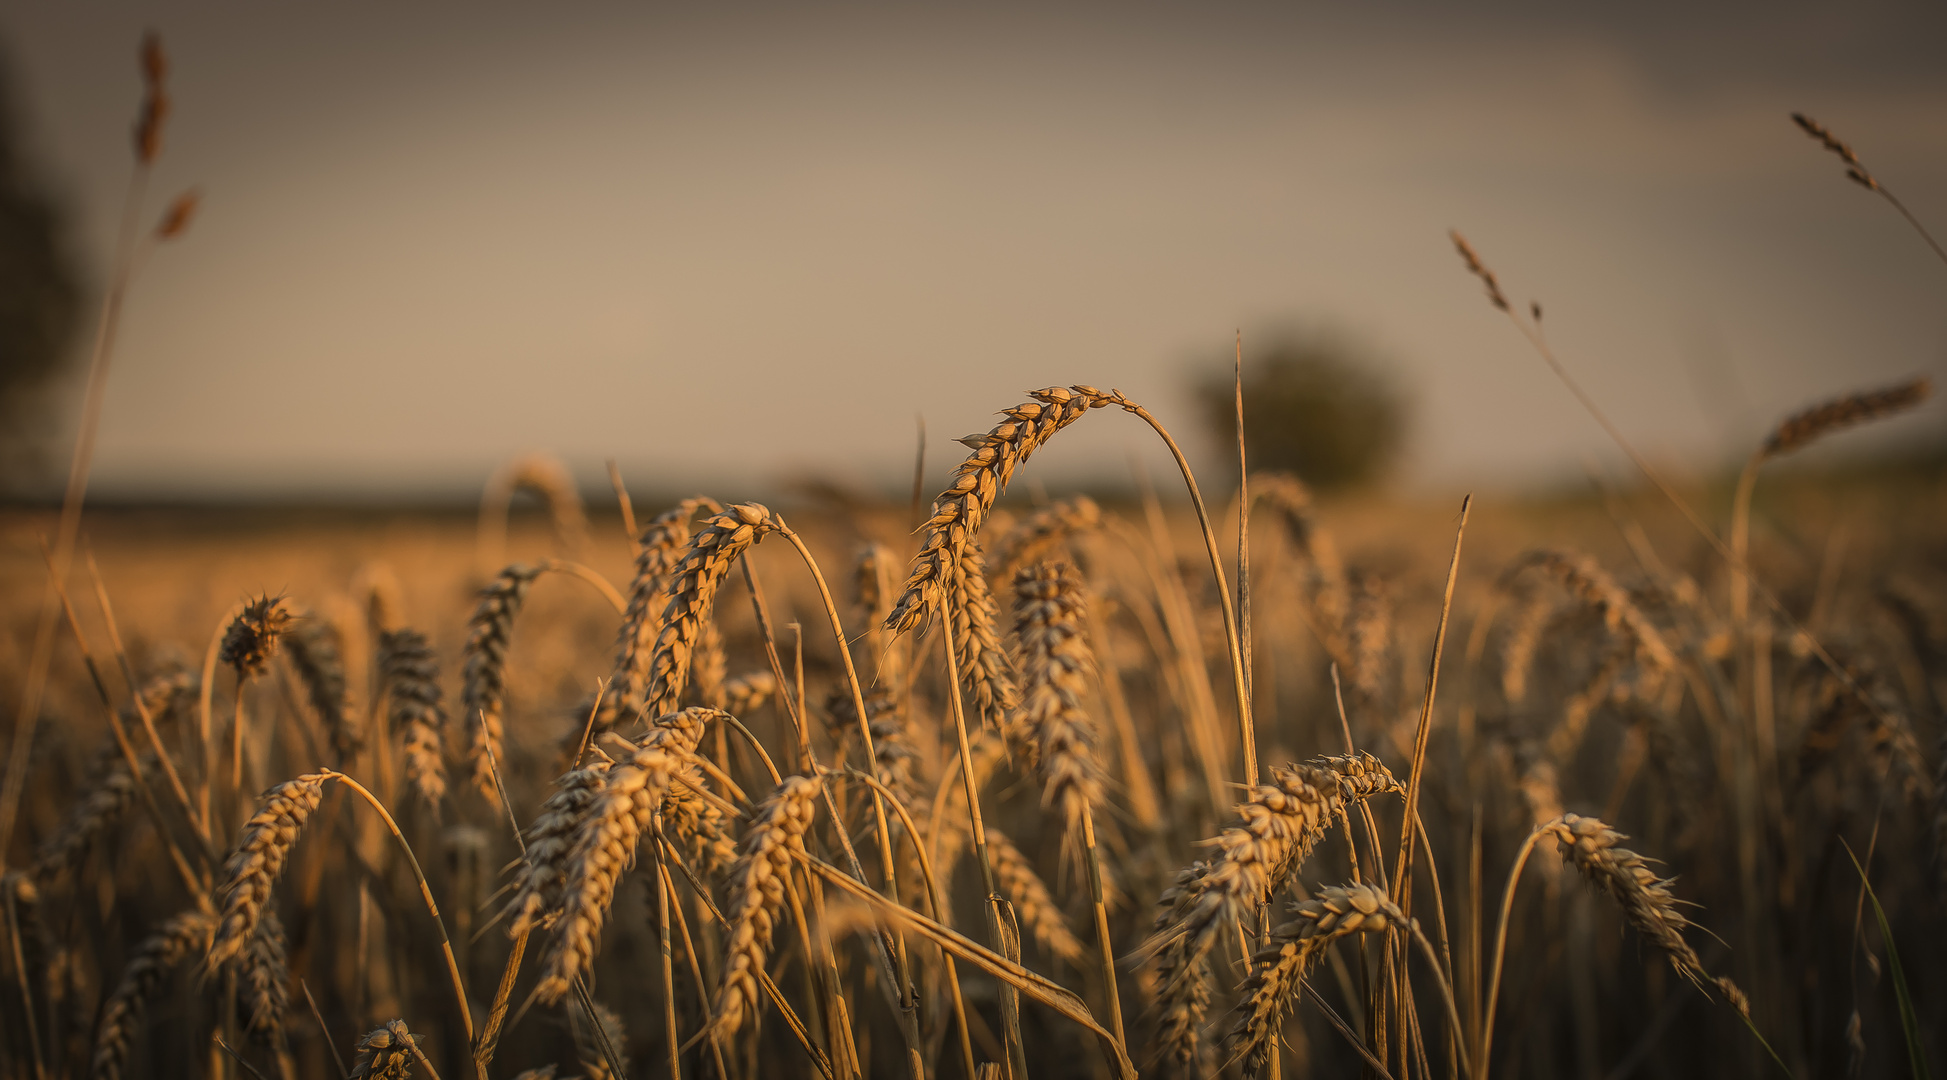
(743, 244)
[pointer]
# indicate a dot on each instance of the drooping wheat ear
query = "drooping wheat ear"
(380, 597)
(1360, 776)
(1646, 900)
(484, 670)
(697, 823)
(588, 1043)
(954, 830)
(1368, 632)
(984, 664)
(657, 553)
(385, 1053)
(1324, 583)
(251, 638)
(1521, 641)
(1538, 781)
(1885, 730)
(1055, 664)
(178, 939)
(606, 835)
(1804, 427)
(873, 582)
(550, 842)
(1033, 904)
(1280, 824)
(960, 509)
(709, 667)
(1855, 170)
(409, 671)
(1585, 579)
(1182, 985)
(243, 890)
(318, 659)
(756, 891)
(693, 585)
(745, 693)
(1276, 969)
(893, 753)
(95, 815)
(1479, 269)
(265, 982)
(545, 476)
(1037, 536)
(103, 805)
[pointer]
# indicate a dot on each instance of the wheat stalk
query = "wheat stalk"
(756, 889)
(483, 669)
(160, 953)
(590, 1032)
(409, 672)
(1277, 968)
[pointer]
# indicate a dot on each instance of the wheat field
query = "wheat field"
(1211, 778)
(272, 833)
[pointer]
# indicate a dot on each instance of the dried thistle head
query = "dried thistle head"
(1803, 427)
(251, 638)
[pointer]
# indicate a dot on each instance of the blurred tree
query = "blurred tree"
(40, 303)
(1313, 405)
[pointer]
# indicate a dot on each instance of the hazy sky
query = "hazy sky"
(737, 245)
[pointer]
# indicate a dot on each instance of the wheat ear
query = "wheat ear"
(1033, 904)
(1804, 427)
(693, 585)
(980, 479)
(483, 670)
(251, 871)
(1278, 967)
(385, 1053)
(176, 940)
(757, 887)
(410, 673)
(318, 660)
(550, 841)
(265, 977)
(1039, 534)
(661, 547)
(605, 841)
